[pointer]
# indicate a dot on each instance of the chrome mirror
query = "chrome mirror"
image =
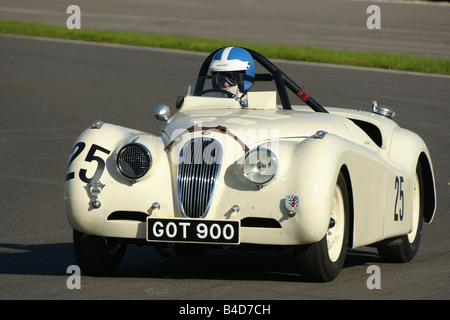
(382, 110)
(162, 112)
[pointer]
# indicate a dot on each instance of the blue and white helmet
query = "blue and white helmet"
(235, 61)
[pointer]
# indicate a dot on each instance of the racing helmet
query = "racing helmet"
(236, 64)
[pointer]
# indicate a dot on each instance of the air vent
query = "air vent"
(134, 161)
(198, 171)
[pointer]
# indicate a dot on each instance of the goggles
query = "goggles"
(233, 78)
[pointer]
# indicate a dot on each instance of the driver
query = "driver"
(237, 68)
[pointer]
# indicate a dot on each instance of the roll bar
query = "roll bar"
(281, 81)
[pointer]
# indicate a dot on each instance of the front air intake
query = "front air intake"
(133, 161)
(198, 171)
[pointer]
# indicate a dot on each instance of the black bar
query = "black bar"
(295, 88)
(282, 90)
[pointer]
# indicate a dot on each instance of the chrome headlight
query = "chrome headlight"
(260, 166)
(133, 161)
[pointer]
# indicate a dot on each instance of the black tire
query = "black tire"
(409, 245)
(97, 256)
(323, 262)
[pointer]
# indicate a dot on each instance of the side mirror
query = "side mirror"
(382, 110)
(162, 112)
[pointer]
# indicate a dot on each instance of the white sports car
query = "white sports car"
(232, 169)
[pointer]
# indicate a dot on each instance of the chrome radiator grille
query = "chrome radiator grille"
(198, 171)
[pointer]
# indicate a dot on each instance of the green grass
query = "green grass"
(295, 53)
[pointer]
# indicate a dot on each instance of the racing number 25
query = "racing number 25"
(77, 150)
(398, 212)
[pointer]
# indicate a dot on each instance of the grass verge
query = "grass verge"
(295, 53)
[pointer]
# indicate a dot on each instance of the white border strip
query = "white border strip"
(416, 2)
(315, 64)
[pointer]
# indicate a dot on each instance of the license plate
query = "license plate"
(193, 231)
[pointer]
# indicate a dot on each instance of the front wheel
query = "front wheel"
(97, 256)
(322, 261)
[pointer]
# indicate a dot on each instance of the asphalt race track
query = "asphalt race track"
(406, 27)
(52, 90)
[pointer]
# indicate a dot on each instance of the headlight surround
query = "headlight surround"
(133, 161)
(260, 166)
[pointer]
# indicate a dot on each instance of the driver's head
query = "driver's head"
(237, 67)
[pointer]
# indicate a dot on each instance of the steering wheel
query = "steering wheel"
(227, 93)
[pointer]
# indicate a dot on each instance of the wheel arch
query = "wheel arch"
(348, 183)
(428, 186)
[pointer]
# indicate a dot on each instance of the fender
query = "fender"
(320, 163)
(314, 174)
(94, 159)
(407, 142)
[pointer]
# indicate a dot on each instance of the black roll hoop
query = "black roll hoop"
(281, 81)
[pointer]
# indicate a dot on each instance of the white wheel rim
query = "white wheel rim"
(415, 209)
(335, 235)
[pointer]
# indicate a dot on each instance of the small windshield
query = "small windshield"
(214, 86)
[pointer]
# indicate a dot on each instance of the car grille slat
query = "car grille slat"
(198, 171)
